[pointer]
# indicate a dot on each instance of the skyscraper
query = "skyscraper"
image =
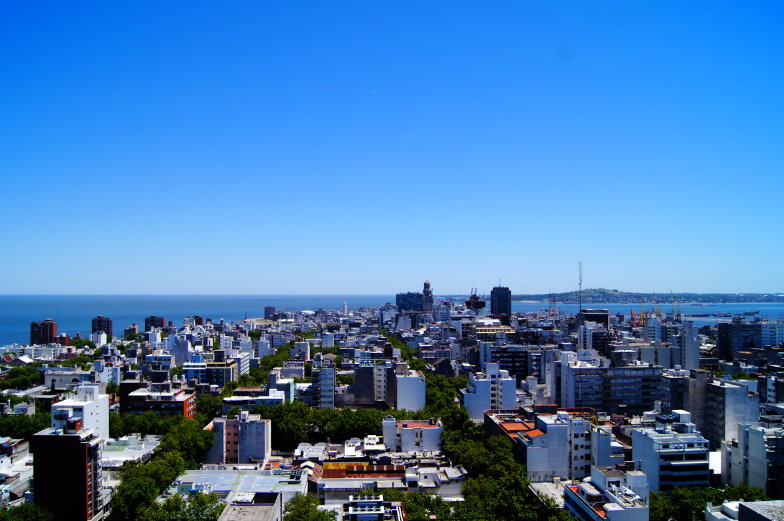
(427, 298)
(411, 301)
(153, 321)
(501, 303)
(102, 323)
(43, 332)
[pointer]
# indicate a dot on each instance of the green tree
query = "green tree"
(23, 426)
(200, 507)
(304, 508)
(208, 407)
(81, 343)
(25, 512)
(189, 440)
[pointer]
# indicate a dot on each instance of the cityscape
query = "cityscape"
(425, 407)
(391, 261)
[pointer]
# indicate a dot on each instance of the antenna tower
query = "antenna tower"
(580, 269)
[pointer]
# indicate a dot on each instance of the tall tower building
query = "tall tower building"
(43, 332)
(427, 298)
(153, 321)
(67, 477)
(501, 303)
(102, 323)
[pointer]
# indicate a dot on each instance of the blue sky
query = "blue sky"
(363, 147)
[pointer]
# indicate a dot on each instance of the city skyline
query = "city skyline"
(361, 149)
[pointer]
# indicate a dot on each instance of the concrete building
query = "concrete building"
(323, 375)
(632, 388)
(412, 435)
(152, 322)
(755, 457)
(89, 406)
(222, 372)
(558, 447)
(405, 388)
(736, 336)
(671, 454)
(300, 351)
(195, 370)
(492, 389)
(42, 333)
(611, 495)
(501, 303)
(727, 405)
(243, 439)
(161, 399)
(67, 475)
(102, 324)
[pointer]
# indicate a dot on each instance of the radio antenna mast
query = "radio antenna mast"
(580, 269)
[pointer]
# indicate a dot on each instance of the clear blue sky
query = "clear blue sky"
(363, 147)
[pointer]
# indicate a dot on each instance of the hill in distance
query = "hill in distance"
(608, 296)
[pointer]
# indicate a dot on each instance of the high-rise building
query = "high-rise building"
(67, 476)
(153, 321)
(427, 298)
(269, 312)
(411, 301)
(738, 335)
(43, 332)
(323, 382)
(102, 323)
(501, 303)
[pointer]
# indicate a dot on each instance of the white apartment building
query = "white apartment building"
(409, 390)
(611, 495)
(755, 457)
(671, 454)
(412, 435)
(492, 389)
(89, 405)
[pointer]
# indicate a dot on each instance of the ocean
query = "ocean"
(73, 313)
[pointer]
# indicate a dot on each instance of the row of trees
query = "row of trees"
(687, 503)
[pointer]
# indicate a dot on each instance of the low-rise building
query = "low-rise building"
(412, 435)
(243, 439)
(611, 495)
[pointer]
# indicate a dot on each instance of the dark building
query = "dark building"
(153, 321)
(198, 320)
(511, 358)
(43, 332)
(67, 472)
(736, 336)
(269, 312)
(411, 301)
(427, 298)
(600, 316)
(102, 323)
(501, 303)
